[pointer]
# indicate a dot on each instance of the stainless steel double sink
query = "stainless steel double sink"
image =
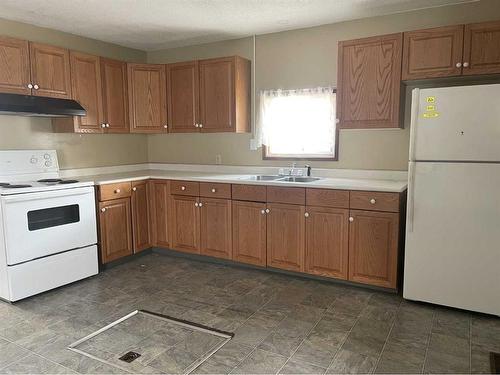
(281, 178)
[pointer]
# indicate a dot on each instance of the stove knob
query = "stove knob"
(48, 163)
(33, 160)
(46, 157)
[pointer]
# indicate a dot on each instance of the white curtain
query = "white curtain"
(297, 121)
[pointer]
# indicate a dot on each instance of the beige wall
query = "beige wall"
(75, 151)
(306, 58)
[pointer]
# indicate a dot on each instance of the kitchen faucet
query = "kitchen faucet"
(294, 165)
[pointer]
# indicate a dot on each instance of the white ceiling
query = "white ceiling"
(158, 24)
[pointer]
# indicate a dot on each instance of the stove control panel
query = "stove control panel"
(14, 162)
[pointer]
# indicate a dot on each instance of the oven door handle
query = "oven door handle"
(48, 194)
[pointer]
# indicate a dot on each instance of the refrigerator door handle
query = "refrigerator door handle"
(415, 102)
(411, 199)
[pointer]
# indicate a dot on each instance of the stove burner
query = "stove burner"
(68, 181)
(16, 186)
(49, 180)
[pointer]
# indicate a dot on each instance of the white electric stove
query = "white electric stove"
(48, 230)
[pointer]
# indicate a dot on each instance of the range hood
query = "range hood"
(27, 105)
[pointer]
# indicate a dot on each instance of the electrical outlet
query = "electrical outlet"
(218, 159)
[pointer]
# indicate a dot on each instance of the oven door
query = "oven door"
(50, 222)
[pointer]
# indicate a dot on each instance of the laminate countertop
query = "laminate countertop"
(395, 186)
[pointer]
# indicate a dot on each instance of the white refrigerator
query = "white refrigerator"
(452, 252)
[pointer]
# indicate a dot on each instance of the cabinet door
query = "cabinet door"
(249, 232)
(115, 229)
(86, 90)
(327, 241)
(285, 236)
(215, 228)
(14, 66)
(482, 48)
(369, 82)
(373, 248)
(141, 220)
(160, 213)
(185, 223)
(50, 71)
(114, 95)
(433, 52)
(182, 96)
(147, 98)
(217, 111)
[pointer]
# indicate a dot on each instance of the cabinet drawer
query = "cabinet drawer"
(185, 188)
(374, 201)
(327, 198)
(214, 190)
(249, 193)
(114, 191)
(286, 195)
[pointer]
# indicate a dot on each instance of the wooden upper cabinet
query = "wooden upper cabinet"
(285, 236)
(147, 98)
(225, 95)
(115, 229)
(249, 232)
(86, 90)
(114, 95)
(160, 210)
(482, 48)
(182, 97)
(327, 242)
(50, 71)
(433, 52)
(14, 66)
(373, 248)
(369, 82)
(185, 221)
(141, 219)
(215, 228)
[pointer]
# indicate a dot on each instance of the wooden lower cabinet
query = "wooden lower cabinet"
(160, 203)
(115, 227)
(249, 232)
(185, 219)
(141, 220)
(373, 247)
(215, 228)
(327, 242)
(285, 236)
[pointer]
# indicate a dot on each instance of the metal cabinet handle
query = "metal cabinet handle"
(183, 188)
(351, 219)
(458, 65)
(373, 201)
(36, 87)
(134, 189)
(103, 209)
(30, 86)
(267, 210)
(118, 191)
(306, 214)
(466, 64)
(214, 190)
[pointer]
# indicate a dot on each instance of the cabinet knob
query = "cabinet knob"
(134, 189)
(200, 125)
(30, 86)
(466, 64)
(263, 212)
(267, 210)
(337, 120)
(103, 125)
(183, 188)
(107, 125)
(351, 219)
(196, 204)
(196, 125)
(306, 214)
(200, 204)
(118, 191)
(373, 201)
(458, 65)
(165, 126)
(214, 190)
(103, 209)
(36, 87)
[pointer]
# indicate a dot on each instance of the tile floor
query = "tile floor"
(282, 324)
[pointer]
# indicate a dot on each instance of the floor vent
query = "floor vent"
(129, 357)
(495, 363)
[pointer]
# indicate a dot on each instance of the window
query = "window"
(298, 124)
